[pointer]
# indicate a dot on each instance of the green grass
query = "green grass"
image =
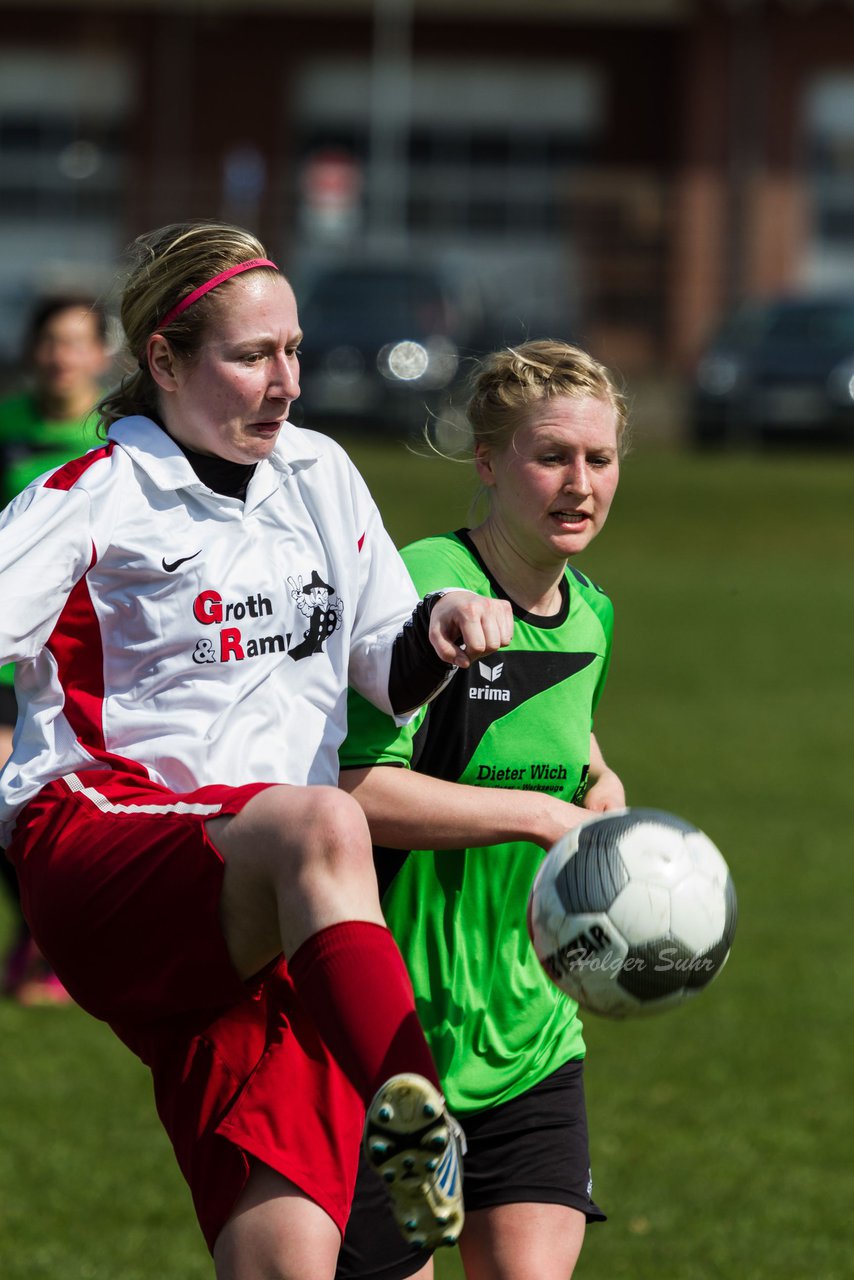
(720, 1132)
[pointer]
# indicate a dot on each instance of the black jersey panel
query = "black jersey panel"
(486, 692)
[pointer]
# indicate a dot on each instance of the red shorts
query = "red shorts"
(121, 886)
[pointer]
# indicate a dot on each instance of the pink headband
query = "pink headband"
(212, 284)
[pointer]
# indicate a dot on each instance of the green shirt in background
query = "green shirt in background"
(30, 445)
(520, 718)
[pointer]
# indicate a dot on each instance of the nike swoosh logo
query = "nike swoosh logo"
(171, 566)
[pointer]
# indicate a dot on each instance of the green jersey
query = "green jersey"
(520, 718)
(30, 445)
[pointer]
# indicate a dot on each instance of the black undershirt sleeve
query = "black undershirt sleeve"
(417, 672)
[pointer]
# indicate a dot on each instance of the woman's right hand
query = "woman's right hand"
(552, 818)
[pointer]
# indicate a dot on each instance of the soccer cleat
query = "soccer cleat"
(416, 1147)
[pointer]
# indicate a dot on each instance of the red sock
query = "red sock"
(352, 979)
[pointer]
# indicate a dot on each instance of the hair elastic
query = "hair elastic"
(211, 284)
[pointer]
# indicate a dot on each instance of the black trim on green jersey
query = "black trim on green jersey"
(535, 619)
(387, 865)
(585, 582)
(455, 724)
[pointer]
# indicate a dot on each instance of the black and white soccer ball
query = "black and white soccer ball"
(632, 912)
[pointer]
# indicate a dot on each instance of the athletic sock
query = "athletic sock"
(352, 978)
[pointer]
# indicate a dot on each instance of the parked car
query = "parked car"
(383, 346)
(783, 368)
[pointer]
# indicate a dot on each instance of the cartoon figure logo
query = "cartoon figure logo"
(313, 601)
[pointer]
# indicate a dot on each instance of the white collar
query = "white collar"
(166, 465)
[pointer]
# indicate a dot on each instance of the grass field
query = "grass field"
(721, 1133)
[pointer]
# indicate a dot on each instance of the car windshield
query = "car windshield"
(823, 323)
(354, 293)
(819, 323)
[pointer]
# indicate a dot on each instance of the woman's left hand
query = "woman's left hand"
(605, 792)
(465, 626)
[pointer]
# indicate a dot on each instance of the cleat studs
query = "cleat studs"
(410, 1141)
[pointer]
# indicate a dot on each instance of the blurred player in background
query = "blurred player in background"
(548, 427)
(187, 605)
(67, 355)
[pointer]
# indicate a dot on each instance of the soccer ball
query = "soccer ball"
(632, 912)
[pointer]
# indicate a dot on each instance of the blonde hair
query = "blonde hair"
(166, 266)
(512, 381)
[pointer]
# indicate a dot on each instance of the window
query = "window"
(829, 118)
(62, 173)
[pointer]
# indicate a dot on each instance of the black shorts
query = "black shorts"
(532, 1149)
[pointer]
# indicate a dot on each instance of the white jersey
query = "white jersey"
(161, 627)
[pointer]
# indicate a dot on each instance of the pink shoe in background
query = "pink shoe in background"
(29, 979)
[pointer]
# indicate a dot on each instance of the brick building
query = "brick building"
(623, 169)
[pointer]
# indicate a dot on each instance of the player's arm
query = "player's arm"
(447, 630)
(404, 651)
(408, 810)
(605, 790)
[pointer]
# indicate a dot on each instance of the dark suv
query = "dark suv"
(779, 369)
(383, 345)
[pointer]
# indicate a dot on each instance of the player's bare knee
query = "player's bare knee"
(335, 818)
(328, 876)
(304, 834)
